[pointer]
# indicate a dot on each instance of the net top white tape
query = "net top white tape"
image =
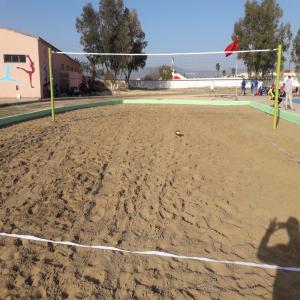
(153, 253)
(163, 54)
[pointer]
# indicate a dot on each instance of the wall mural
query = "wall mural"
(9, 68)
(29, 72)
(8, 77)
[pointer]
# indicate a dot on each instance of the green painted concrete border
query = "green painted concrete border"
(47, 112)
(286, 115)
(283, 114)
(186, 102)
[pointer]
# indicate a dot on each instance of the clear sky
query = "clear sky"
(170, 25)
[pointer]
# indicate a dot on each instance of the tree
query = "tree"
(148, 78)
(296, 50)
(165, 72)
(218, 67)
(261, 29)
(138, 44)
(89, 70)
(88, 25)
(114, 35)
(112, 29)
(224, 73)
(233, 72)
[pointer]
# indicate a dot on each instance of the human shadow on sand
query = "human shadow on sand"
(287, 283)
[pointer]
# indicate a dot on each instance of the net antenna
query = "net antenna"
(180, 56)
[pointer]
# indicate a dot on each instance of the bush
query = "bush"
(90, 87)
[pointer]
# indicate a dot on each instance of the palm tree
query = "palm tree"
(233, 72)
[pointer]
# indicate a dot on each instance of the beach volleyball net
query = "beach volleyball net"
(214, 72)
(217, 73)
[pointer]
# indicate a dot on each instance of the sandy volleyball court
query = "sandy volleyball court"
(118, 176)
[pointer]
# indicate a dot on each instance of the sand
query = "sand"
(118, 176)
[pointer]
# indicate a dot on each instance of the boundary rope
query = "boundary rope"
(149, 253)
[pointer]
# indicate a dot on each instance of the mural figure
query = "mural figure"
(29, 72)
(7, 76)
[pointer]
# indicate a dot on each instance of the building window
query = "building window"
(14, 58)
(67, 68)
(62, 67)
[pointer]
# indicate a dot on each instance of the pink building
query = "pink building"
(24, 69)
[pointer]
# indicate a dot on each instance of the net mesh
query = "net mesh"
(212, 72)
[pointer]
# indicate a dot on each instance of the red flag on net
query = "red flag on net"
(234, 46)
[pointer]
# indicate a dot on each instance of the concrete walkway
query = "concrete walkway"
(7, 102)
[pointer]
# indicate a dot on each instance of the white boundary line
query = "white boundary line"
(273, 144)
(162, 54)
(154, 253)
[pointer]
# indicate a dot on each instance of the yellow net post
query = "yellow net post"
(277, 86)
(51, 84)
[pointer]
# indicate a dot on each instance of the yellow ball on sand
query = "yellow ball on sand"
(179, 133)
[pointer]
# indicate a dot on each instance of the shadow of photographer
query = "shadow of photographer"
(287, 283)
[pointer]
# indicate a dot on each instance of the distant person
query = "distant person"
(282, 90)
(252, 87)
(287, 283)
(259, 87)
(243, 86)
(255, 86)
(264, 89)
(289, 93)
(56, 90)
(272, 95)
